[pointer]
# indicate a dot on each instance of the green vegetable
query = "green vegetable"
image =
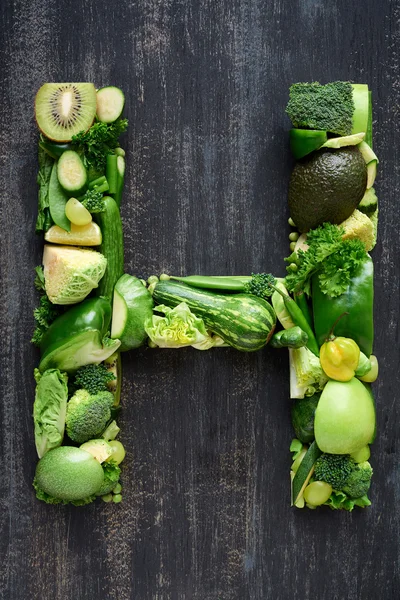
(44, 315)
(245, 322)
(99, 141)
(304, 472)
(368, 134)
(301, 300)
(99, 448)
(359, 480)
(111, 473)
(356, 299)
(178, 328)
(111, 431)
(371, 375)
(305, 141)
(331, 259)
(44, 220)
(94, 378)
(71, 172)
(369, 202)
(67, 474)
(299, 319)
(100, 184)
(303, 413)
(58, 198)
(364, 365)
(120, 179)
(78, 337)
(362, 107)
(53, 149)
(279, 307)
(132, 307)
(340, 501)
(112, 173)
(342, 142)
(71, 273)
(334, 469)
(289, 338)
(93, 201)
(327, 107)
(114, 366)
(110, 104)
(87, 415)
(112, 247)
(49, 409)
(306, 374)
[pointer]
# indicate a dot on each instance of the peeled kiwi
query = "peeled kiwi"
(64, 109)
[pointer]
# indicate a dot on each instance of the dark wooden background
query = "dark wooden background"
(206, 512)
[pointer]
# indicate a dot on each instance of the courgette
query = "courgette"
(71, 172)
(112, 247)
(304, 472)
(243, 321)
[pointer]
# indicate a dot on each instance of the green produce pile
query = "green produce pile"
(322, 311)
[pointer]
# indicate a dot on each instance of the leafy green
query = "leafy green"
(334, 259)
(49, 410)
(100, 140)
(94, 378)
(178, 328)
(44, 220)
(46, 312)
(340, 501)
(45, 497)
(93, 201)
(327, 107)
(111, 431)
(111, 477)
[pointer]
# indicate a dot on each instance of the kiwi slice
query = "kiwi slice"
(64, 109)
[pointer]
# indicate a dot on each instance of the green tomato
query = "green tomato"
(77, 213)
(118, 451)
(372, 374)
(317, 492)
(361, 455)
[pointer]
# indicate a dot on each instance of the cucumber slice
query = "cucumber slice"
(361, 107)
(132, 306)
(57, 201)
(346, 140)
(369, 202)
(304, 472)
(110, 104)
(305, 141)
(71, 172)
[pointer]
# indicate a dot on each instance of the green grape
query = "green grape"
(107, 498)
(117, 498)
(317, 492)
(77, 213)
(117, 489)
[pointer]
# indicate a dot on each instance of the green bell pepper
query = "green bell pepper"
(357, 301)
(79, 337)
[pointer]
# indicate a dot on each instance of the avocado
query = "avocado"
(327, 186)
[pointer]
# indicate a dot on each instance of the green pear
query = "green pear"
(345, 417)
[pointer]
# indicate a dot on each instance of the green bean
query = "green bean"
(112, 173)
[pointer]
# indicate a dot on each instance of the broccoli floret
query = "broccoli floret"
(88, 415)
(359, 481)
(94, 378)
(334, 469)
(327, 107)
(93, 201)
(260, 285)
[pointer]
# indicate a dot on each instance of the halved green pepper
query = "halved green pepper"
(357, 301)
(79, 337)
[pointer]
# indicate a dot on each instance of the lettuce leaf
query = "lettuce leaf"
(49, 409)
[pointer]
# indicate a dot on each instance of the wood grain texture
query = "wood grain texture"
(206, 511)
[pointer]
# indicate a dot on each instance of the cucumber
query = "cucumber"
(304, 472)
(120, 179)
(71, 172)
(243, 321)
(361, 107)
(110, 104)
(112, 247)
(369, 202)
(371, 173)
(133, 305)
(57, 201)
(114, 366)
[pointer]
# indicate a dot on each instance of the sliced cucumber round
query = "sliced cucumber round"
(71, 172)
(110, 104)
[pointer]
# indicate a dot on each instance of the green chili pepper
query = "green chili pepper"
(299, 319)
(301, 301)
(357, 301)
(79, 337)
(294, 337)
(54, 150)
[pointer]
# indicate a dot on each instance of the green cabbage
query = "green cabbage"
(178, 328)
(49, 409)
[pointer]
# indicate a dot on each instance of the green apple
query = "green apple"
(345, 417)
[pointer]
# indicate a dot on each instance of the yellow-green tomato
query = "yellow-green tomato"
(118, 451)
(77, 213)
(317, 492)
(372, 374)
(361, 455)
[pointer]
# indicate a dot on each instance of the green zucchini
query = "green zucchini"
(112, 247)
(71, 172)
(243, 321)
